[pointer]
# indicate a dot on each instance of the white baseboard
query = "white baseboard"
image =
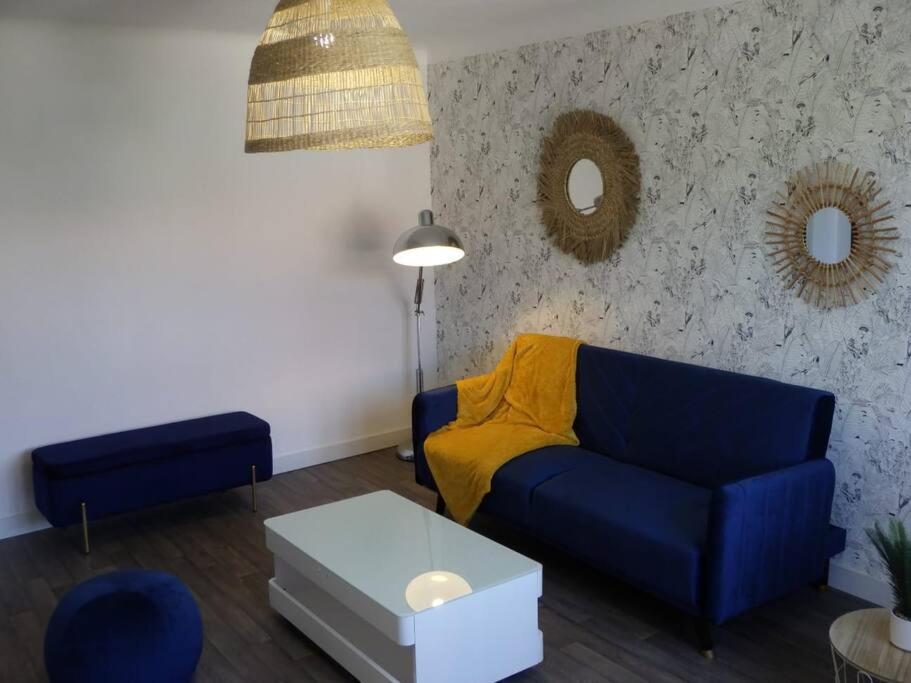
(339, 451)
(860, 585)
(23, 523)
(27, 522)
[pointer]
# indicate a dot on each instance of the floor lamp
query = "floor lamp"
(424, 246)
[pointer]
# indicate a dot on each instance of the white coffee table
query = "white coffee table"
(395, 592)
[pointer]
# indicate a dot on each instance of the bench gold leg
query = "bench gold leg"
(85, 531)
(253, 484)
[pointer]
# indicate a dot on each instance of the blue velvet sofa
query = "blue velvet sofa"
(92, 478)
(707, 489)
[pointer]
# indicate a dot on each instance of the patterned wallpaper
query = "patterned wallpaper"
(722, 105)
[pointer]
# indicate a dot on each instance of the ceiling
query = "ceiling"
(444, 28)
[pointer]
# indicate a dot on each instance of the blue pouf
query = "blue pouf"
(130, 626)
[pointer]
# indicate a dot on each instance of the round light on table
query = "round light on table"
(434, 589)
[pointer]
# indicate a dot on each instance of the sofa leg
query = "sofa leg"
(85, 530)
(705, 638)
(253, 486)
(441, 505)
(822, 583)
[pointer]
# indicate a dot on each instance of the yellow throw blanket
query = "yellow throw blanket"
(527, 402)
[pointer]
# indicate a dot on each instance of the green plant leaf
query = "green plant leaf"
(894, 548)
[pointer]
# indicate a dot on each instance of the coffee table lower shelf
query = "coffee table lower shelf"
(486, 636)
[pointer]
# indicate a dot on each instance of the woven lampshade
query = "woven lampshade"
(335, 74)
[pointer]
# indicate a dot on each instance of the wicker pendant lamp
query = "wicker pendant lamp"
(335, 74)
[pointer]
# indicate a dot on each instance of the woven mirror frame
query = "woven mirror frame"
(579, 135)
(846, 281)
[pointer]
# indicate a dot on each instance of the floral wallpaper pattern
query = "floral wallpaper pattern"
(723, 105)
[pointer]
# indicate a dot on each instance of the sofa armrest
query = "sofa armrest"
(767, 536)
(430, 411)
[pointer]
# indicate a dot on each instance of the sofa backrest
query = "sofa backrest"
(700, 425)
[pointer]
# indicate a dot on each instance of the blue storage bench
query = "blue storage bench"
(105, 475)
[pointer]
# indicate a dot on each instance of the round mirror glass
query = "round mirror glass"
(585, 186)
(829, 235)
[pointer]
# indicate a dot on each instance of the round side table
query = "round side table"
(860, 640)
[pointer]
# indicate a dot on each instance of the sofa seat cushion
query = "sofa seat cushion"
(114, 451)
(638, 525)
(515, 482)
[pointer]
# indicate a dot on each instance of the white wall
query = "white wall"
(151, 271)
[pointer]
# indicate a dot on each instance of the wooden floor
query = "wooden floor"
(595, 629)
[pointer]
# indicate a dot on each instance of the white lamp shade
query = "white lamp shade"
(429, 256)
(428, 245)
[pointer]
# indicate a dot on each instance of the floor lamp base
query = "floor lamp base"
(405, 452)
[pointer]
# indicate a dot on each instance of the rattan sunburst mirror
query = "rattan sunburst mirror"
(588, 185)
(828, 235)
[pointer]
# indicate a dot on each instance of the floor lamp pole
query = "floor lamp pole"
(418, 314)
(406, 451)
